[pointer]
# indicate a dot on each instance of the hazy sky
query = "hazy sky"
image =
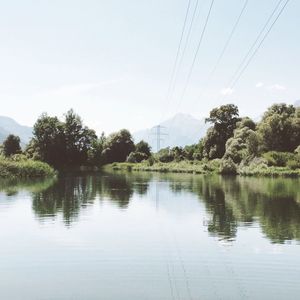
(112, 60)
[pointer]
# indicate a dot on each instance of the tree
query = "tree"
(244, 142)
(11, 145)
(48, 141)
(118, 146)
(143, 147)
(280, 128)
(224, 120)
(79, 139)
(61, 144)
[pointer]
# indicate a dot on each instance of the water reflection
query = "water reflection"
(239, 201)
(72, 193)
(230, 202)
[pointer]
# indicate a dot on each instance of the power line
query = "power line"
(178, 50)
(196, 53)
(184, 49)
(256, 40)
(233, 30)
(259, 45)
(240, 71)
(229, 38)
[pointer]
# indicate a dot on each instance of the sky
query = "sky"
(112, 61)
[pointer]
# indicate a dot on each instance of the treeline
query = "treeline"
(69, 143)
(236, 141)
(231, 141)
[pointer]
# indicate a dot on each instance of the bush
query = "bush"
(151, 161)
(25, 168)
(136, 157)
(294, 163)
(297, 150)
(165, 155)
(228, 167)
(278, 159)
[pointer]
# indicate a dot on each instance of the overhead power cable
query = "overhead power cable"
(196, 53)
(259, 45)
(174, 78)
(229, 38)
(178, 49)
(185, 48)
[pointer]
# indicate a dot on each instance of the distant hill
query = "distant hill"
(297, 103)
(10, 126)
(182, 130)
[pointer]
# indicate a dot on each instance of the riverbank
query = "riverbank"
(207, 167)
(24, 169)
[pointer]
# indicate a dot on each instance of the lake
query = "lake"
(150, 236)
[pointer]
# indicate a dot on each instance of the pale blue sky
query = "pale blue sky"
(111, 60)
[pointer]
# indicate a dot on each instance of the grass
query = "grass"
(205, 167)
(268, 171)
(173, 167)
(24, 169)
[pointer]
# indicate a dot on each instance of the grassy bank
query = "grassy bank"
(205, 167)
(174, 167)
(24, 169)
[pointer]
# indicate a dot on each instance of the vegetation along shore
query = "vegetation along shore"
(232, 145)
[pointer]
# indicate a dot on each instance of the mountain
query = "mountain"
(10, 126)
(181, 130)
(297, 103)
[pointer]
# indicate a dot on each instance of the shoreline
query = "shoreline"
(204, 168)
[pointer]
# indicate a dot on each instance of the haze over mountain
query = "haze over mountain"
(10, 126)
(181, 130)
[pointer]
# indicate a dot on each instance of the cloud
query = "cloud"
(276, 87)
(227, 91)
(259, 85)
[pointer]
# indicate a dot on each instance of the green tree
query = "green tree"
(143, 147)
(11, 145)
(61, 144)
(165, 155)
(280, 128)
(244, 142)
(224, 120)
(79, 139)
(118, 146)
(48, 141)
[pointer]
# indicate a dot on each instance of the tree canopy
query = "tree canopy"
(11, 145)
(224, 120)
(118, 146)
(280, 128)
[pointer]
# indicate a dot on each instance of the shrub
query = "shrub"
(165, 155)
(136, 157)
(151, 161)
(228, 167)
(277, 159)
(24, 168)
(294, 163)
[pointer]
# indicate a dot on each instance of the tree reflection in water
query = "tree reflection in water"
(72, 193)
(241, 201)
(230, 202)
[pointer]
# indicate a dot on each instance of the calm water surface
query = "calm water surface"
(150, 236)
